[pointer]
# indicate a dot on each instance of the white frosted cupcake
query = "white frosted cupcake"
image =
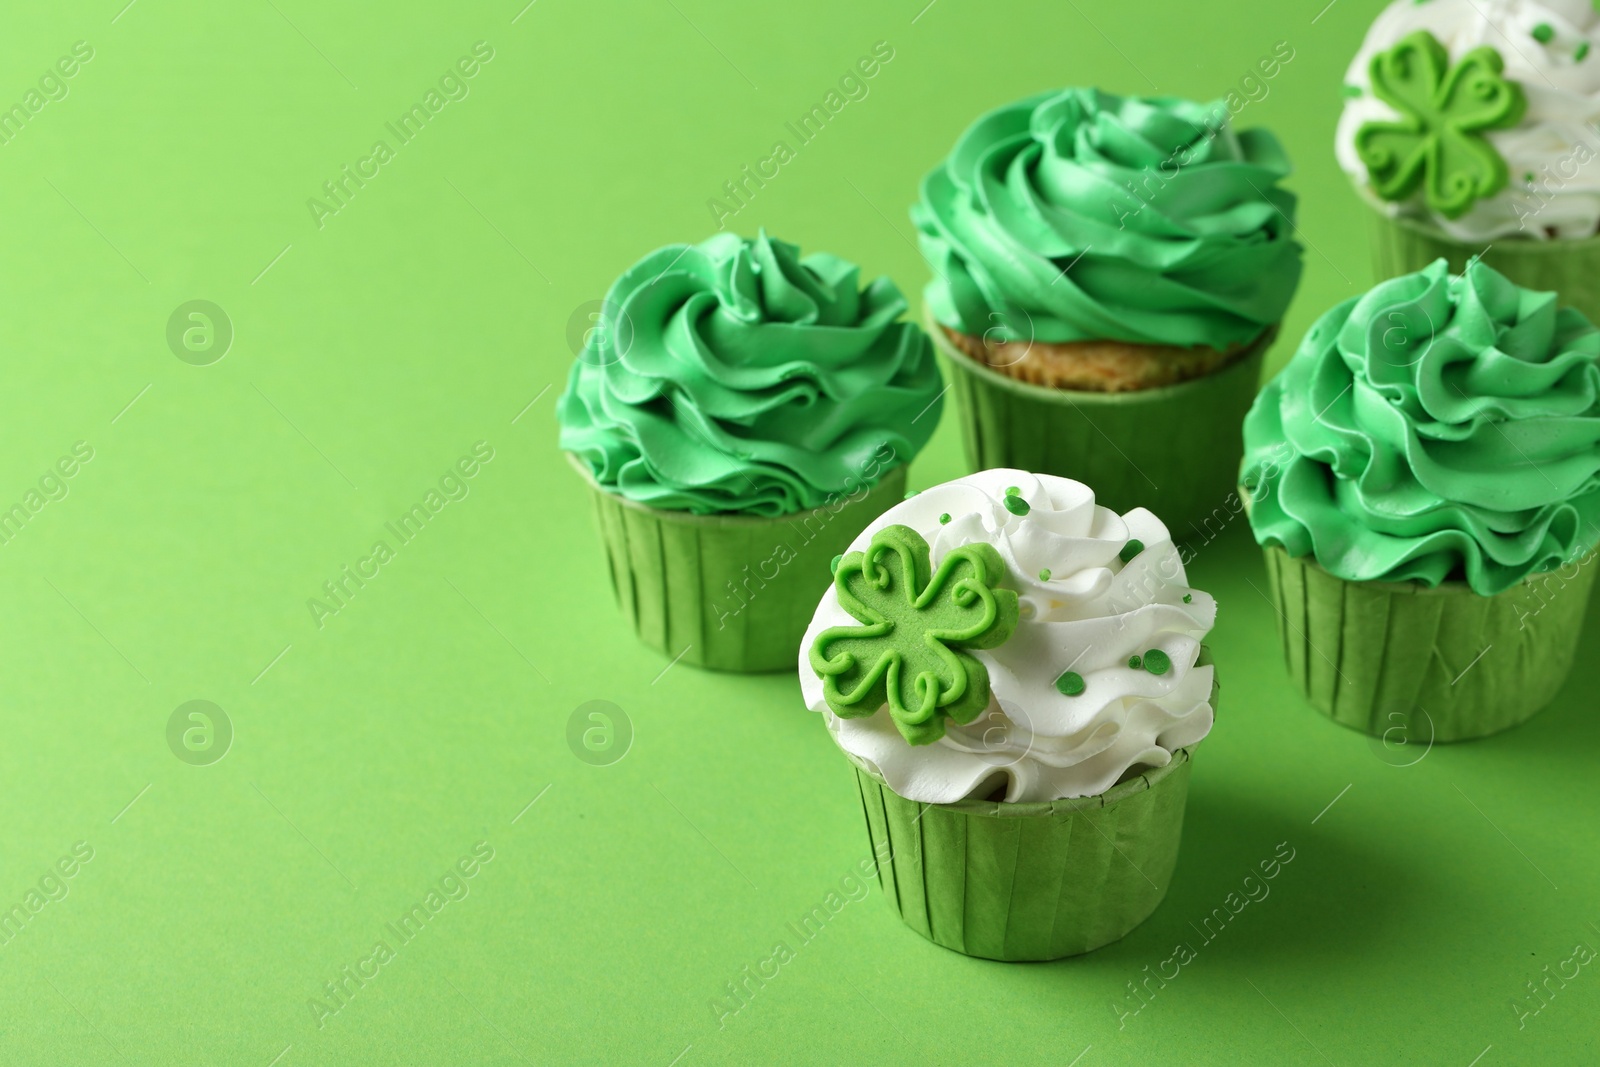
(1470, 126)
(1017, 675)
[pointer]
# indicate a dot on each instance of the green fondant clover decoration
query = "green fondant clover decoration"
(1438, 142)
(916, 623)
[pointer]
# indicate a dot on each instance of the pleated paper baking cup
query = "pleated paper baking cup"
(1173, 449)
(728, 592)
(1415, 665)
(1568, 267)
(1029, 881)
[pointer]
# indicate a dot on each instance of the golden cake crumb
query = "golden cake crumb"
(1098, 366)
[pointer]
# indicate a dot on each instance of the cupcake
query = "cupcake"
(1016, 675)
(740, 413)
(1425, 478)
(1469, 127)
(1104, 265)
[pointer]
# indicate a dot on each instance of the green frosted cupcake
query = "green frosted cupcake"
(1017, 676)
(1104, 264)
(739, 413)
(1468, 131)
(1425, 477)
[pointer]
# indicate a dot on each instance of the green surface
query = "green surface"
(371, 754)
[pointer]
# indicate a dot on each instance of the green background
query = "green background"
(371, 753)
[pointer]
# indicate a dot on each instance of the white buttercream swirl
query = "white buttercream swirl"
(1091, 615)
(1558, 140)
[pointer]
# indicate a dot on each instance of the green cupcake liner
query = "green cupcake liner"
(1173, 449)
(728, 592)
(1568, 267)
(1029, 881)
(1414, 665)
(1034, 881)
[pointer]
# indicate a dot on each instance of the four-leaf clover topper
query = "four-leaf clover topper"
(1438, 140)
(908, 651)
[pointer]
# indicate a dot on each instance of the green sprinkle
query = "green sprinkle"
(1012, 490)
(1044, 575)
(1131, 549)
(833, 568)
(1581, 51)
(1070, 684)
(1134, 662)
(1543, 33)
(913, 493)
(1157, 661)
(1529, 178)
(944, 518)
(1351, 92)
(1016, 505)
(1188, 598)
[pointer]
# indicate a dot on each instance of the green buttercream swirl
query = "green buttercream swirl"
(1438, 428)
(1082, 215)
(734, 376)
